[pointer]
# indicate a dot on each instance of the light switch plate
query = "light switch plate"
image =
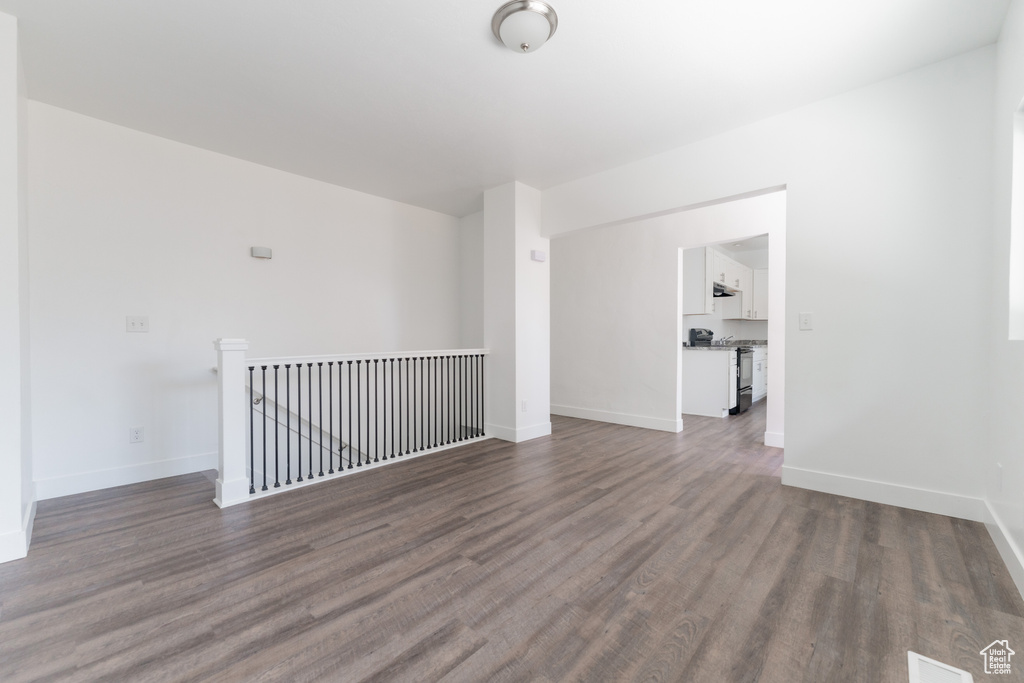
(137, 323)
(806, 321)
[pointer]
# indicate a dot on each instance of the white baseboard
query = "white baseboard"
(1012, 554)
(119, 476)
(14, 545)
(775, 439)
(517, 435)
(938, 502)
(659, 423)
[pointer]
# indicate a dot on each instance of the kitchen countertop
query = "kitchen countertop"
(730, 345)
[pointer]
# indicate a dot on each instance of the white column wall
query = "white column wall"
(533, 318)
(888, 203)
(16, 498)
(516, 316)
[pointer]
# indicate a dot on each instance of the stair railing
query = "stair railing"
(290, 421)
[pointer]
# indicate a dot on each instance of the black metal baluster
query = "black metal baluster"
(252, 433)
(408, 428)
(359, 416)
(367, 412)
(472, 395)
(483, 395)
(465, 394)
(288, 423)
(444, 399)
(298, 454)
(376, 439)
(330, 417)
(264, 401)
(426, 411)
(384, 408)
(433, 371)
(309, 391)
(479, 395)
(423, 440)
(415, 409)
(320, 400)
(460, 375)
(350, 414)
(452, 436)
(277, 421)
(398, 448)
(392, 362)
(457, 434)
(398, 443)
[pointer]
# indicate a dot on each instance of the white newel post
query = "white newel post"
(232, 482)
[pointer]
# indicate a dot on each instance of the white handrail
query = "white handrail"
(281, 360)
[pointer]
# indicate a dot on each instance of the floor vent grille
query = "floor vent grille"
(925, 670)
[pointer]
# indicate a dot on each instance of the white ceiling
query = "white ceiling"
(418, 102)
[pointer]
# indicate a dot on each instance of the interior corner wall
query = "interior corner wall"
(1002, 466)
(471, 280)
(888, 199)
(615, 304)
(126, 223)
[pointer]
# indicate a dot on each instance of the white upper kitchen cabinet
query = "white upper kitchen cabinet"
(698, 288)
(760, 309)
(746, 285)
(721, 266)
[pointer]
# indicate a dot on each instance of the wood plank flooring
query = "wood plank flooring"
(601, 553)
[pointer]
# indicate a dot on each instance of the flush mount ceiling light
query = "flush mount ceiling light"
(524, 25)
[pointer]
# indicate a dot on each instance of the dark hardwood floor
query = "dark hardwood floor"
(601, 553)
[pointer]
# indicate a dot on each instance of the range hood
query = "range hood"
(722, 290)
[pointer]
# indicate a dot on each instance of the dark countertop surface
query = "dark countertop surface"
(728, 346)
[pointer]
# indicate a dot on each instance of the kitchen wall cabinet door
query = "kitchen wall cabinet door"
(760, 304)
(746, 280)
(698, 290)
(722, 268)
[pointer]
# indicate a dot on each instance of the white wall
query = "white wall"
(471, 280)
(888, 191)
(615, 301)
(125, 223)
(16, 500)
(1005, 402)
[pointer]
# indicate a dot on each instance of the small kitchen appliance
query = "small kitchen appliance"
(700, 336)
